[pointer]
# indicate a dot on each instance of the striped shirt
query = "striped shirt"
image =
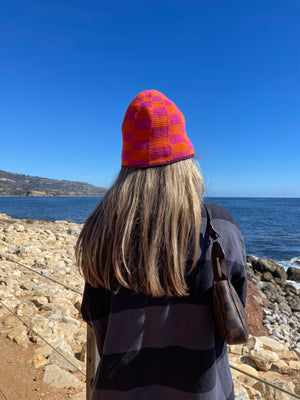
(167, 347)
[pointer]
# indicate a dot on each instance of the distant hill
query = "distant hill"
(25, 185)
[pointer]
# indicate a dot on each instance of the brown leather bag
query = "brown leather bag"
(229, 312)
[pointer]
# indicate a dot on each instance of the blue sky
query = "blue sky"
(69, 69)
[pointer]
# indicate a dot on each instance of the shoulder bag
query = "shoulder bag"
(229, 312)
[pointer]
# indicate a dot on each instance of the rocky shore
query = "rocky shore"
(273, 308)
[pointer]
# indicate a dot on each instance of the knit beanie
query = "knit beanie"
(153, 132)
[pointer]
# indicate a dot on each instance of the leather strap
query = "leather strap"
(217, 252)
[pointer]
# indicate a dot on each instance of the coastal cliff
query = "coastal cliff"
(25, 185)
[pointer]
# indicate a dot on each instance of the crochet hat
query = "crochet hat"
(153, 132)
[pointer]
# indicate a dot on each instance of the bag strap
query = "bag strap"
(217, 252)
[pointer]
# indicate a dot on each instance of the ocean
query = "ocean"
(270, 226)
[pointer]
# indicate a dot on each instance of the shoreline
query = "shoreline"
(69, 220)
(53, 311)
(205, 197)
(49, 197)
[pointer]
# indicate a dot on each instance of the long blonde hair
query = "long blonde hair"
(142, 231)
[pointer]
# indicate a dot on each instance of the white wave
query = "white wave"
(296, 261)
(296, 284)
(290, 263)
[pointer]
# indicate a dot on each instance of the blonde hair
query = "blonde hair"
(144, 229)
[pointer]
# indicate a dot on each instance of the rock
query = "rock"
(19, 228)
(254, 343)
(295, 305)
(246, 360)
(60, 344)
(24, 287)
(19, 335)
(292, 368)
(83, 353)
(293, 274)
(239, 391)
(70, 320)
(271, 393)
(26, 310)
(77, 305)
(291, 290)
(254, 312)
(253, 394)
(44, 350)
(267, 287)
(268, 277)
(270, 376)
(250, 258)
(54, 315)
(38, 360)
(263, 358)
(264, 265)
(59, 378)
(56, 359)
(39, 323)
(39, 301)
(279, 366)
(54, 312)
(285, 307)
(80, 336)
(11, 320)
(273, 345)
(294, 356)
(236, 349)
(245, 379)
(11, 250)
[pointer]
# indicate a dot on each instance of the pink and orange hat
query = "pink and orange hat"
(153, 132)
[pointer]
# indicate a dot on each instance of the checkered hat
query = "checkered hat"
(153, 132)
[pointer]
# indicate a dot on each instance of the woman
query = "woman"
(145, 256)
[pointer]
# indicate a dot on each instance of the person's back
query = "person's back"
(145, 254)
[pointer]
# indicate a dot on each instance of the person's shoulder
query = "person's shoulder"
(219, 212)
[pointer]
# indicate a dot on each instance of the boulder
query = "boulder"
(290, 290)
(279, 366)
(263, 358)
(271, 393)
(273, 345)
(239, 390)
(254, 311)
(60, 378)
(293, 274)
(295, 305)
(245, 379)
(265, 265)
(292, 368)
(253, 394)
(61, 362)
(268, 277)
